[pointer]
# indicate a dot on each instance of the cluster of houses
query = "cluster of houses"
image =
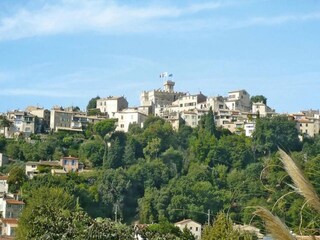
(10, 204)
(10, 209)
(235, 112)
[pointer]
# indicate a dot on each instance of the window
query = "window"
(73, 163)
(197, 229)
(122, 125)
(190, 228)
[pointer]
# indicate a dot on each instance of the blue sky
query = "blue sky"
(63, 52)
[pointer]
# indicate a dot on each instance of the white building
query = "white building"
(129, 116)
(249, 128)
(10, 207)
(194, 227)
(4, 187)
(111, 105)
(3, 160)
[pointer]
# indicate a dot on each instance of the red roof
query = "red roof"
(3, 177)
(10, 220)
(13, 201)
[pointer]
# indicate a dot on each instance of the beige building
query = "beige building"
(189, 102)
(194, 227)
(65, 165)
(192, 117)
(307, 125)
(129, 116)
(160, 98)
(216, 103)
(43, 116)
(69, 120)
(111, 105)
(23, 123)
(70, 164)
(262, 109)
(34, 168)
(62, 119)
(238, 100)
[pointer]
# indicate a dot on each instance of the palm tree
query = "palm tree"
(5, 123)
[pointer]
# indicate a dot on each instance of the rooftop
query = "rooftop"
(14, 202)
(9, 221)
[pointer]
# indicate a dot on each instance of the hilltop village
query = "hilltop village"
(161, 170)
(235, 112)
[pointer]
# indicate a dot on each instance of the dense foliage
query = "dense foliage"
(156, 174)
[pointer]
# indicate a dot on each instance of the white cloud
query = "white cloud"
(275, 20)
(68, 16)
(75, 16)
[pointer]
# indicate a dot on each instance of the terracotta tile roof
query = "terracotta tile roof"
(304, 121)
(15, 202)
(3, 177)
(10, 220)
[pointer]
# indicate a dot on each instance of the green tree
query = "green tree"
(259, 98)
(104, 127)
(276, 131)
(113, 186)
(152, 150)
(5, 123)
(37, 209)
(3, 143)
(129, 155)
(232, 150)
(165, 231)
(92, 103)
(16, 178)
(92, 150)
(52, 213)
(222, 229)
(14, 151)
(201, 145)
(209, 124)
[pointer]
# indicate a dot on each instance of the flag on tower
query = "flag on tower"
(164, 75)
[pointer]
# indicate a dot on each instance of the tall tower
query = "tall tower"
(168, 86)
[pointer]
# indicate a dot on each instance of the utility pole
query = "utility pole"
(208, 217)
